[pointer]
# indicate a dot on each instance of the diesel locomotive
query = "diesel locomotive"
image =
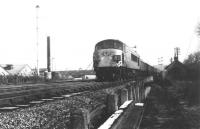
(114, 60)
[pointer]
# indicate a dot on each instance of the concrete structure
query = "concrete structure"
(112, 100)
(130, 93)
(79, 119)
(123, 95)
(120, 106)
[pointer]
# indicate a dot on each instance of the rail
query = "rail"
(13, 96)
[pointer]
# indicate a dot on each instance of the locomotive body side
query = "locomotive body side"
(131, 60)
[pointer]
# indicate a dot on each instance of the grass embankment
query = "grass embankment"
(172, 105)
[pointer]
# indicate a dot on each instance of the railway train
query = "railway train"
(114, 60)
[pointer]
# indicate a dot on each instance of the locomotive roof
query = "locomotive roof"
(112, 40)
(115, 40)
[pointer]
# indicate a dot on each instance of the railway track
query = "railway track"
(11, 96)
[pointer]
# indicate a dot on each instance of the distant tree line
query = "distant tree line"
(193, 66)
(193, 74)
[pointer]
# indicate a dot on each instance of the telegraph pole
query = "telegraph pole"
(37, 37)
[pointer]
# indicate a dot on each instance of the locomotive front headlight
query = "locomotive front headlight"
(116, 58)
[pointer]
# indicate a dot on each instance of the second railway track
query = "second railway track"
(12, 96)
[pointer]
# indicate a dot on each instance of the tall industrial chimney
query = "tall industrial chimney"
(48, 54)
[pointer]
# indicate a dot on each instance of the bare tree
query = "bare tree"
(198, 30)
(193, 58)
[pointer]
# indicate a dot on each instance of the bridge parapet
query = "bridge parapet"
(133, 93)
(119, 103)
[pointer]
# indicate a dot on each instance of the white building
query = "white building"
(89, 77)
(3, 72)
(20, 70)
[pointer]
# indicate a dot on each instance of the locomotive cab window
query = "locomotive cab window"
(109, 45)
(118, 45)
(116, 58)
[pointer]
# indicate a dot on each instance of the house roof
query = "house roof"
(174, 64)
(3, 71)
(15, 69)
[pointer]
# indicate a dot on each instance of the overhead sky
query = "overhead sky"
(156, 27)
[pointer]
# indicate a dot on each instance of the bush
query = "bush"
(193, 65)
(14, 79)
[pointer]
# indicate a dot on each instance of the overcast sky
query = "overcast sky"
(75, 26)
